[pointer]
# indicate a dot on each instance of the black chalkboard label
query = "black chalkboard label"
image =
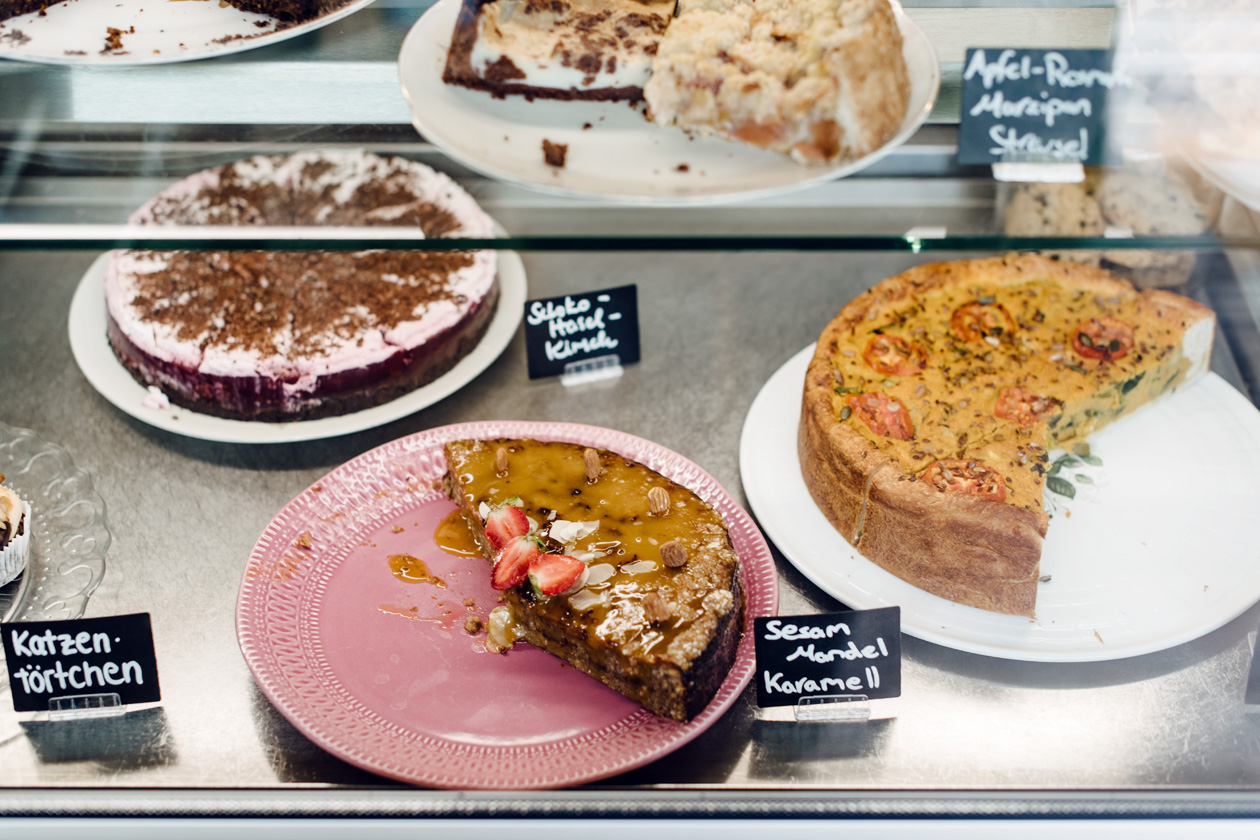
(1038, 106)
(85, 656)
(572, 328)
(856, 652)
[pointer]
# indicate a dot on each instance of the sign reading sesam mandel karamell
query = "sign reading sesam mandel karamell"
(1039, 106)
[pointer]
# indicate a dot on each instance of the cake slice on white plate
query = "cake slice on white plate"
(823, 81)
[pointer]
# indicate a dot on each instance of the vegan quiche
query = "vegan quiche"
(934, 398)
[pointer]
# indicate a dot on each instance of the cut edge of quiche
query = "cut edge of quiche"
(934, 398)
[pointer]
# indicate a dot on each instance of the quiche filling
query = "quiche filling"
(968, 387)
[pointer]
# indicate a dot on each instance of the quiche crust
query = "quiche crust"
(882, 494)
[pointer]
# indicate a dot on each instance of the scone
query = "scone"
(605, 563)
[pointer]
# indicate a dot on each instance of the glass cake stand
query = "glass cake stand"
(69, 538)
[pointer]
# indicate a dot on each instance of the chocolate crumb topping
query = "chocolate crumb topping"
(503, 70)
(302, 302)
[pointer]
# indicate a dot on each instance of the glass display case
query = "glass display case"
(157, 515)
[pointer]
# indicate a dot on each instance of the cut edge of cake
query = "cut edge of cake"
(600, 56)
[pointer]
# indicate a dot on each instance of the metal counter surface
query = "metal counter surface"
(184, 515)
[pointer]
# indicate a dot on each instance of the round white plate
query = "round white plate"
(614, 152)
(1163, 547)
(165, 32)
(107, 375)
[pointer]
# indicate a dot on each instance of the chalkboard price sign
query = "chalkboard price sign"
(571, 328)
(1038, 106)
(47, 660)
(849, 653)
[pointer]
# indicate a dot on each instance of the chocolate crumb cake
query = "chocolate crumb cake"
(624, 574)
(298, 335)
(557, 49)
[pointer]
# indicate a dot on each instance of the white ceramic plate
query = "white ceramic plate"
(107, 375)
(165, 32)
(1163, 547)
(620, 156)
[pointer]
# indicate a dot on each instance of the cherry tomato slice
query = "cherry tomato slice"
(962, 476)
(882, 415)
(1103, 338)
(976, 321)
(1024, 408)
(894, 356)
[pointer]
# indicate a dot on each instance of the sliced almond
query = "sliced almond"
(590, 458)
(658, 501)
(656, 608)
(500, 461)
(674, 555)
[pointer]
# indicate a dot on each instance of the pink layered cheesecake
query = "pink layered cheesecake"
(299, 335)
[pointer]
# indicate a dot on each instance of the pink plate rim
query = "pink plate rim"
(277, 602)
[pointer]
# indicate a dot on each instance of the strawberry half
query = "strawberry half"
(554, 574)
(513, 561)
(505, 522)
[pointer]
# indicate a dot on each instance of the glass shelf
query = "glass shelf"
(727, 292)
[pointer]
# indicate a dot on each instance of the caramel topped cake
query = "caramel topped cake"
(276, 335)
(557, 49)
(605, 563)
(820, 80)
(934, 399)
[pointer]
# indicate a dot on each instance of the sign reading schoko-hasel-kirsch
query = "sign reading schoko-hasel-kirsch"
(1038, 106)
(563, 330)
(84, 656)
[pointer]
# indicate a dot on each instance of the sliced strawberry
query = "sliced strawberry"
(512, 563)
(553, 574)
(504, 522)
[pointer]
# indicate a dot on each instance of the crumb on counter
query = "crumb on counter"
(554, 153)
(472, 624)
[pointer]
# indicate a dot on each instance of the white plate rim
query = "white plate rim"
(210, 49)
(439, 21)
(99, 365)
(929, 617)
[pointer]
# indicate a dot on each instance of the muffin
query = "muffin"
(15, 537)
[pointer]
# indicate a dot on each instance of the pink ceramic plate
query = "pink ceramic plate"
(381, 672)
